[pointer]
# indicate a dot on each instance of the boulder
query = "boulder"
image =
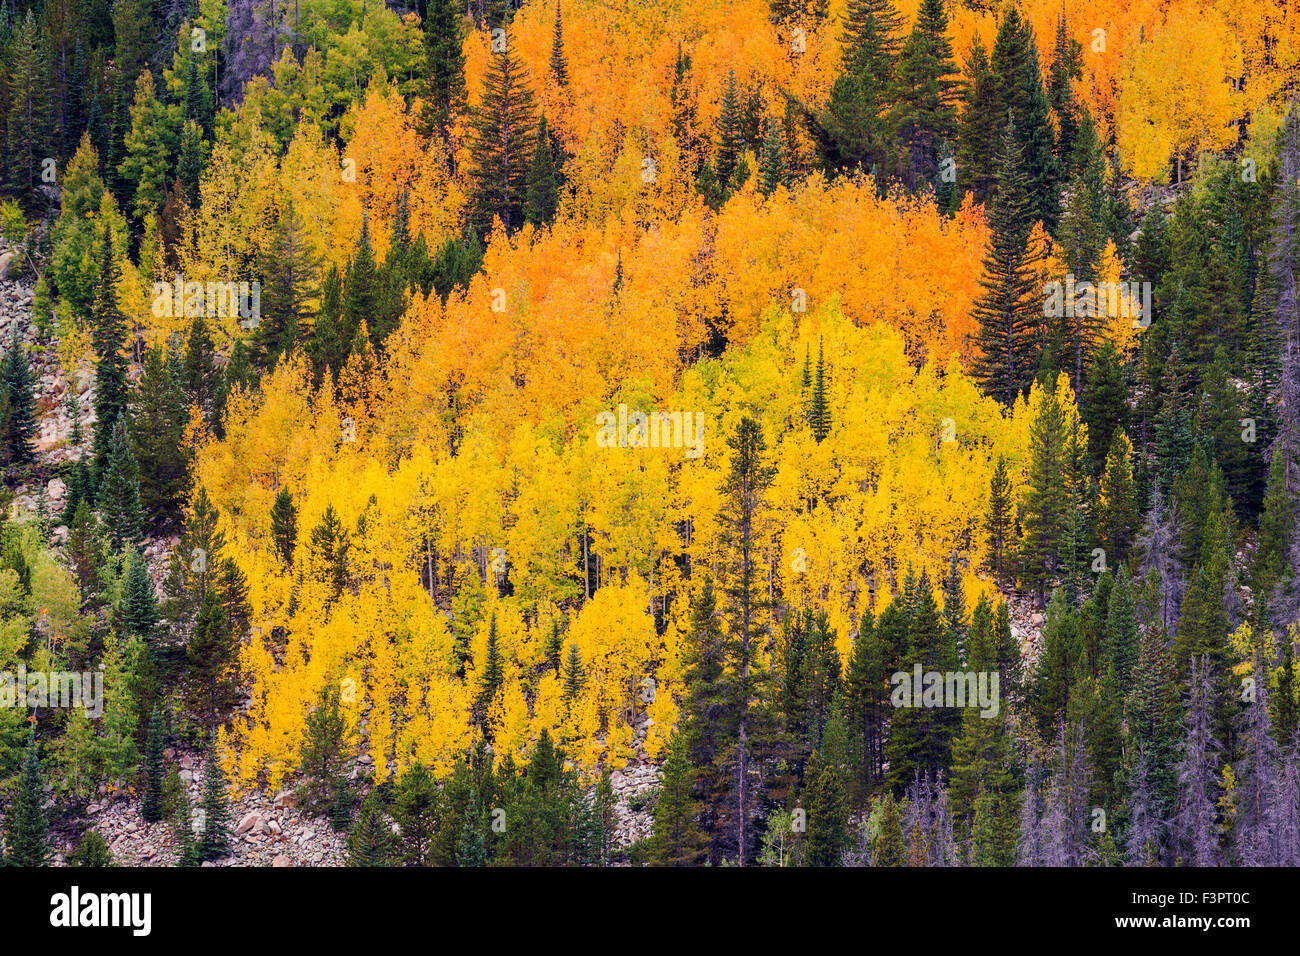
(252, 820)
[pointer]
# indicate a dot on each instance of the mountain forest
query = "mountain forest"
(565, 432)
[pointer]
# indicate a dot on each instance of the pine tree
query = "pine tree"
(1273, 575)
(542, 196)
(139, 609)
(323, 749)
(159, 414)
(1116, 508)
(1010, 662)
(187, 844)
(92, 851)
(202, 380)
(682, 99)
(731, 137)
(856, 129)
(1022, 98)
(994, 829)
(212, 653)
(812, 671)
(97, 129)
(190, 164)
(329, 347)
(5, 417)
(819, 413)
(1067, 66)
(920, 738)
(330, 545)
(29, 843)
(444, 94)
(119, 494)
(1103, 405)
(979, 137)
(827, 834)
(284, 526)
(119, 125)
(20, 414)
(151, 808)
(1282, 268)
(601, 820)
(28, 119)
(74, 118)
(1076, 331)
(341, 809)
(1007, 308)
(947, 197)
(1046, 497)
(706, 711)
(559, 63)
(999, 519)
(196, 560)
(214, 837)
(1102, 716)
(503, 131)
(1204, 627)
(865, 705)
(1151, 713)
(492, 674)
(415, 808)
(954, 607)
(150, 146)
(888, 848)
(1059, 660)
(555, 647)
(291, 272)
(371, 842)
(108, 338)
(1286, 705)
(983, 783)
(197, 102)
(360, 292)
(1122, 644)
(574, 676)
(744, 488)
(675, 839)
(85, 552)
(925, 116)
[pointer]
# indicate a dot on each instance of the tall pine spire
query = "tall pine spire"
(108, 338)
(503, 133)
(559, 62)
(1008, 310)
(444, 94)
